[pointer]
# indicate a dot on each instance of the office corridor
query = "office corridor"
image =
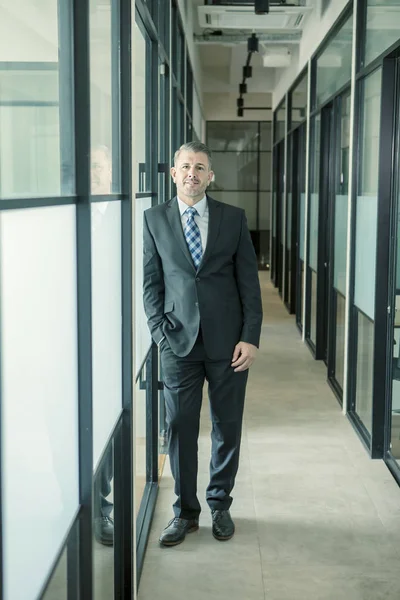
(316, 519)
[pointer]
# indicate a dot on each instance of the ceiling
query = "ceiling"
(222, 43)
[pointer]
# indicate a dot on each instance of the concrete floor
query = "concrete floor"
(316, 518)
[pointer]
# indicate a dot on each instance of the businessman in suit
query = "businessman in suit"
(203, 304)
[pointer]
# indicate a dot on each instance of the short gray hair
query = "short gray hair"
(194, 147)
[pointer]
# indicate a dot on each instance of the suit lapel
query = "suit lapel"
(214, 221)
(174, 218)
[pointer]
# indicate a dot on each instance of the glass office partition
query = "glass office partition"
(333, 65)
(365, 243)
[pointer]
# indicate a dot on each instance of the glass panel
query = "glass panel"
(395, 432)
(197, 116)
(140, 148)
(266, 136)
(383, 24)
(103, 527)
(36, 100)
(313, 313)
(246, 200)
(106, 321)
(140, 443)
(40, 478)
(301, 225)
(265, 171)
(265, 210)
(340, 243)
(58, 586)
(339, 346)
(300, 291)
(334, 64)
(224, 136)
(341, 201)
(314, 195)
(233, 172)
(299, 101)
(365, 369)
(280, 123)
(104, 92)
(367, 197)
(142, 334)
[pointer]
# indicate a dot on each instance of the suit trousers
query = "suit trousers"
(183, 391)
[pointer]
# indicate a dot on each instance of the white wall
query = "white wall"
(315, 30)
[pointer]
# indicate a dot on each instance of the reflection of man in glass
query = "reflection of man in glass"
(101, 172)
(103, 523)
(101, 177)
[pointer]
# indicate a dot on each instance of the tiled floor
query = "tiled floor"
(316, 519)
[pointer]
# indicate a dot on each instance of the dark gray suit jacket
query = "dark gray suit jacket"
(223, 294)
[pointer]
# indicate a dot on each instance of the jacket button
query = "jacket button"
(196, 303)
(197, 278)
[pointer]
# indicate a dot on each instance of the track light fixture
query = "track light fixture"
(242, 88)
(252, 43)
(247, 71)
(240, 102)
(240, 112)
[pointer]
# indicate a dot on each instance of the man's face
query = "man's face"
(100, 172)
(192, 176)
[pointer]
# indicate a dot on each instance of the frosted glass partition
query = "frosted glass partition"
(39, 392)
(107, 322)
(339, 275)
(302, 217)
(314, 199)
(36, 157)
(142, 337)
(364, 290)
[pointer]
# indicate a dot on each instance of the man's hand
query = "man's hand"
(243, 356)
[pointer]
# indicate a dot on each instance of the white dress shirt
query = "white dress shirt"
(201, 219)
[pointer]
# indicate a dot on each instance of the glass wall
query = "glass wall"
(340, 238)
(382, 27)
(333, 65)
(365, 242)
(242, 166)
(65, 317)
(353, 188)
(280, 122)
(313, 225)
(298, 102)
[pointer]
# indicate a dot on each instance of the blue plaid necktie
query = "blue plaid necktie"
(193, 237)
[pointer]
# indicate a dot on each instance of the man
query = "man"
(203, 304)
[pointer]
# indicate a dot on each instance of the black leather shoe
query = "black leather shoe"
(104, 530)
(176, 530)
(223, 527)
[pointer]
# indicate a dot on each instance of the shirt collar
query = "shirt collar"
(199, 206)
